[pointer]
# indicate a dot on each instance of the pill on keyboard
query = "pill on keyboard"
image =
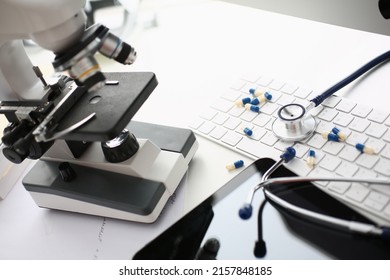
(364, 149)
(235, 165)
(248, 131)
(255, 101)
(256, 92)
(243, 101)
(330, 136)
(311, 158)
(342, 136)
(252, 108)
(268, 95)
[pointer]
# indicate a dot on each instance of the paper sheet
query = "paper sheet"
(30, 232)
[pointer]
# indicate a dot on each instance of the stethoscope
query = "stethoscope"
(294, 123)
(246, 210)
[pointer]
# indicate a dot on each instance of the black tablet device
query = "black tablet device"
(214, 230)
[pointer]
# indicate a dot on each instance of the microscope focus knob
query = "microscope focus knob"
(121, 148)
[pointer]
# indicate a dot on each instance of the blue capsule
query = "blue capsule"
(256, 91)
(255, 101)
(342, 136)
(311, 158)
(252, 108)
(330, 136)
(248, 131)
(364, 149)
(267, 95)
(243, 101)
(235, 165)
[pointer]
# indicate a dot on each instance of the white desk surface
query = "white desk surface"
(196, 51)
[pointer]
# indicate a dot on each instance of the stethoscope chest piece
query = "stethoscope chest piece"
(293, 124)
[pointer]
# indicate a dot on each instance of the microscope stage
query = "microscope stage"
(114, 104)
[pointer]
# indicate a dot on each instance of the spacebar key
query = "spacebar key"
(256, 148)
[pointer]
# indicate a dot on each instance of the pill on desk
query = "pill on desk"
(364, 149)
(243, 101)
(235, 165)
(256, 92)
(311, 158)
(342, 136)
(330, 136)
(248, 131)
(252, 108)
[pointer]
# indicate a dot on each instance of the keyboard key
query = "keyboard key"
(327, 114)
(264, 81)
(330, 163)
(289, 88)
(269, 139)
(361, 111)
(383, 167)
(386, 152)
(343, 119)
(376, 130)
(276, 84)
(300, 150)
(359, 124)
(356, 137)
(231, 95)
(377, 206)
(349, 153)
(269, 108)
(367, 161)
(302, 93)
(220, 118)
(346, 105)
(357, 192)
(347, 169)
(386, 137)
(261, 120)
(249, 116)
(232, 123)
(378, 116)
(317, 141)
(208, 114)
(218, 132)
(206, 127)
(222, 105)
(333, 148)
(339, 187)
(331, 101)
(231, 138)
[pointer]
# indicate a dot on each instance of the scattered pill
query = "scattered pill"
(311, 158)
(342, 136)
(364, 149)
(256, 92)
(243, 101)
(248, 131)
(330, 136)
(252, 108)
(235, 165)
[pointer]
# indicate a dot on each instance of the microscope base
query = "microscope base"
(98, 190)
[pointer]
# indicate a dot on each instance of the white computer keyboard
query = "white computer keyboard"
(223, 122)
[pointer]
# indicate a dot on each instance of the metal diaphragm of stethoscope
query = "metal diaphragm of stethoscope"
(295, 124)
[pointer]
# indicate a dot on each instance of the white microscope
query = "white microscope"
(90, 157)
